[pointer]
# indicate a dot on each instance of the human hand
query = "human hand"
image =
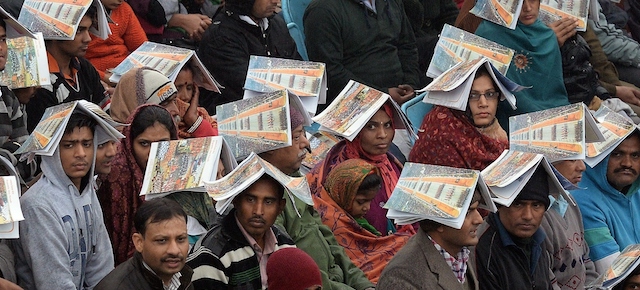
(401, 94)
(6, 285)
(107, 75)
(195, 25)
(109, 89)
(191, 115)
(628, 95)
(564, 29)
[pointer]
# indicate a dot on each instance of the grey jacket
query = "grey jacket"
(620, 48)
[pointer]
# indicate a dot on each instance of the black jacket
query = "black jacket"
(501, 264)
(132, 275)
(229, 42)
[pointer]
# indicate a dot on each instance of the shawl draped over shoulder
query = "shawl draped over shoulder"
(537, 63)
(367, 251)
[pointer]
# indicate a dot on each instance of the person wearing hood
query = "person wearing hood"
(610, 202)
(239, 30)
(63, 240)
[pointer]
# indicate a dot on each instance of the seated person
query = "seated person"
(437, 256)
(536, 63)
(234, 254)
(152, 87)
(187, 92)
(344, 200)
(565, 242)
(293, 269)
(169, 22)
(472, 139)
(372, 145)
(126, 36)
(511, 253)
(119, 192)
(161, 250)
(632, 282)
(609, 201)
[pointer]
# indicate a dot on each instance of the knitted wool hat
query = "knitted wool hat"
(154, 86)
(537, 188)
(296, 117)
(292, 269)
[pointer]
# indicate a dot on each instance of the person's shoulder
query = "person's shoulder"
(281, 236)
(120, 278)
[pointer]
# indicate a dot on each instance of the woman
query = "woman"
(119, 193)
(537, 62)
(471, 139)
(372, 145)
(344, 200)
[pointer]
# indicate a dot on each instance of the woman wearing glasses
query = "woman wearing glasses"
(464, 139)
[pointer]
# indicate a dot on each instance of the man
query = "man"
(241, 29)
(367, 41)
(511, 253)
(63, 240)
(565, 242)
(72, 76)
(610, 202)
(234, 253)
(303, 223)
(162, 245)
(436, 257)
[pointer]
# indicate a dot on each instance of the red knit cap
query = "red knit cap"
(292, 269)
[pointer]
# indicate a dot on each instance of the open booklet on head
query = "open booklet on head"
(507, 12)
(456, 45)
(168, 60)
(451, 89)
(559, 133)
(261, 123)
(615, 128)
(438, 193)
(352, 109)
(306, 79)
(10, 210)
(224, 190)
(60, 19)
(184, 165)
(48, 133)
(621, 268)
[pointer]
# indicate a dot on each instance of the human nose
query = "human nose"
(174, 248)
(476, 218)
(382, 132)
(526, 6)
(527, 213)
(581, 167)
(86, 37)
(626, 161)
(258, 209)
(80, 151)
(482, 101)
(111, 149)
(304, 142)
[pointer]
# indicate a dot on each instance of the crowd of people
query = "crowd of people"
(86, 226)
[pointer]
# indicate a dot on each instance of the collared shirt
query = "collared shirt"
(174, 283)
(458, 264)
(54, 68)
(269, 247)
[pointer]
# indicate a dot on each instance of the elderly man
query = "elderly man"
(161, 245)
(610, 202)
(511, 253)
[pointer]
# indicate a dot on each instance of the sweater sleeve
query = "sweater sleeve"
(208, 270)
(596, 231)
(100, 263)
(616, 45)
(134, 35)
(43, 243)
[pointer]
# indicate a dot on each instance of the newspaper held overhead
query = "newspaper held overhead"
(352, 109)
(553, 10)
(184, 165)
(168, 60)
(615, 128)
(456, 45)
(306, 79)
(620, 269)
(60, 19)
(10, 209)
(27, 64)
(438, 193)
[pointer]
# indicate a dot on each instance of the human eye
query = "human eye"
(370, 126)
(160, 241)
(87, 144)
(616, 154)
(67, 145)
(492, 95)
(474, 96)
(100, 146)
(144, 143)
(182, 239)
(635, 155)
(387, 125)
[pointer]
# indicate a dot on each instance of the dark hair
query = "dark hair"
(370, 181)
(482, 71)
(623, 285)
(272, 181)
(429, 225)
(92, 13)
(3, 23)
(149, 115)
(79, 120)
(157, 210)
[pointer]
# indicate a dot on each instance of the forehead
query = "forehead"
(85, 21)
(632, 143)
(380, 116)
(78, 133)
(155, 132)
(263, 189)
(175, 224)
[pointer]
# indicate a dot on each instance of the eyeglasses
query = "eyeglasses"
(487, 95)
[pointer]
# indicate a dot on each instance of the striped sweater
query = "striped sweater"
(224, 259)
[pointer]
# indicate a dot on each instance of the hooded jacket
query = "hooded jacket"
(611, 220)
(63, 241)
(229, 42)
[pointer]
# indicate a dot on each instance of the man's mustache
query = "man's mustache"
(172, 257)
(617, 170)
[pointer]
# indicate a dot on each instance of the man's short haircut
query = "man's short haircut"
(429, 225)
(157, 210)
(92, 13)
(3, 23)
(271, 180)
(148, 116)
(79, 120)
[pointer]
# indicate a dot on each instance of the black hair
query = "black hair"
(79, 120)
(92, 13)
(3, 23)
(157, 210)
(271, 180)
(371, 181)
(149, 115)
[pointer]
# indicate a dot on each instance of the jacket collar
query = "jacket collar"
(439, 266)
(154, 281)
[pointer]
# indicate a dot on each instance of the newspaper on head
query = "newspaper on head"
(60, 19)
(615, 128)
